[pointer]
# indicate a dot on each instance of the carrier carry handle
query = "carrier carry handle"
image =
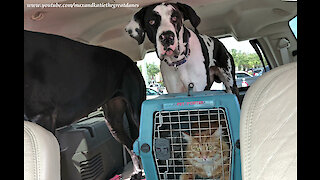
(190, 88)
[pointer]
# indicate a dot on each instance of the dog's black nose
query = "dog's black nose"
(167, 38)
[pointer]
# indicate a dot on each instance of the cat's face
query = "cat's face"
(204, 153)
(204, 149)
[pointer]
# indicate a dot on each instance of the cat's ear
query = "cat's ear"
(186, 136)
(218, 132)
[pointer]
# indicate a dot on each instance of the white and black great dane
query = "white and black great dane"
(186, 56)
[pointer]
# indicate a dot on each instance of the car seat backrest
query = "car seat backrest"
(268, 126)
(41, 153)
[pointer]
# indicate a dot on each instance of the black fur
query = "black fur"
(206, 60)
(220, 54)
(65, 80)
(189, 14)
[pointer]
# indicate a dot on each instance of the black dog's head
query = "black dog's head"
(163, 24)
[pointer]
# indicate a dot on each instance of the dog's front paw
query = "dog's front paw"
(136, 176)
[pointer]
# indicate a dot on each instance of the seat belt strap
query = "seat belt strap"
(255, 47)
(283, 46)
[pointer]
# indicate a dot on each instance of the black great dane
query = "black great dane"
(65, 80)
(186, 56)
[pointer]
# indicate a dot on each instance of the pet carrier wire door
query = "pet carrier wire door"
(190, 137)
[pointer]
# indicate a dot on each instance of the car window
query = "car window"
(257, 71)
(244, 55)
(293, 26)
(242, 75)
(245, 59)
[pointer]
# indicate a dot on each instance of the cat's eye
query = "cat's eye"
(151, 22)
(196, 148)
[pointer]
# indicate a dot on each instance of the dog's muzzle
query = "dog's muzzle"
(167, 39)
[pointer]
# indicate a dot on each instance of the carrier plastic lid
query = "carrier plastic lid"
(194, 94)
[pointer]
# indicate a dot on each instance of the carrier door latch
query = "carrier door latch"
(238, 143)
(162, 147)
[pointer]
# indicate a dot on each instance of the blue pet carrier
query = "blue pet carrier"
(161, 145)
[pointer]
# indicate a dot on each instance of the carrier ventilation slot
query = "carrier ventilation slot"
(92, 168)
(199, 124)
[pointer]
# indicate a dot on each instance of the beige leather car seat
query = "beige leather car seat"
(41, 153)
(268, 126)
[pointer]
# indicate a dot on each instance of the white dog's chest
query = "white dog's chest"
(192, 71)
(177, 80)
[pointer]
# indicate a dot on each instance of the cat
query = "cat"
(204, 156)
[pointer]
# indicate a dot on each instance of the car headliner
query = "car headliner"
(242, 19)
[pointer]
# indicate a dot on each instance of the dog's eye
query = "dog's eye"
(151, 22)
(174, 18)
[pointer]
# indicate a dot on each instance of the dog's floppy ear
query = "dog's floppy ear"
(135, 28)
(189, 14)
